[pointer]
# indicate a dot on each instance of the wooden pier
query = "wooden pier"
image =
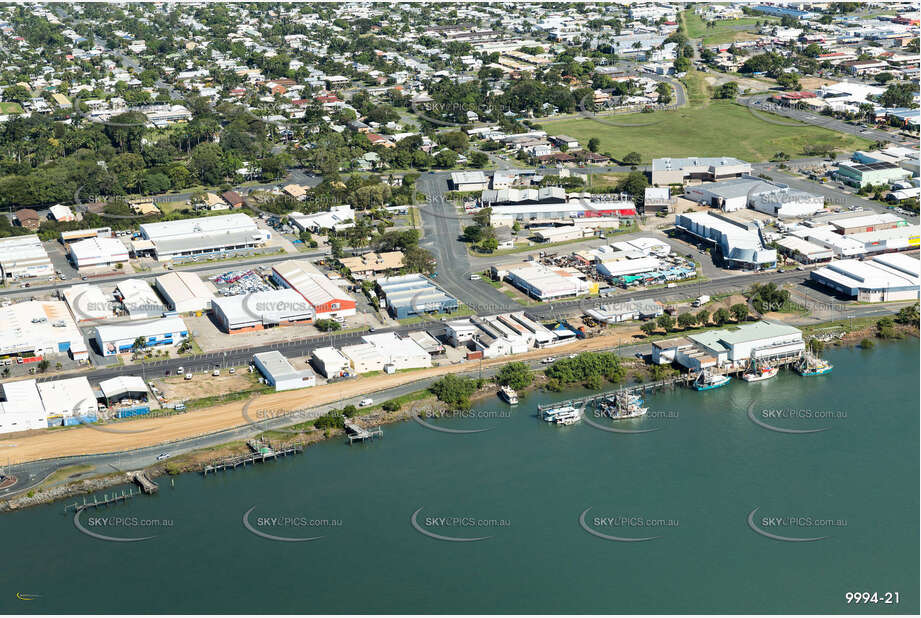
(261, 453)
(146, 485)
(359, 433)
(645, 387)
(123, 496)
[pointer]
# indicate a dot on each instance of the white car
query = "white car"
(573, 355)
(364, 403)
(162, 456)
(548, 360)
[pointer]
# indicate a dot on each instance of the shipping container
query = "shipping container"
(132, 411)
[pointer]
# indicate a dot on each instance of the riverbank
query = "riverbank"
(419, 403)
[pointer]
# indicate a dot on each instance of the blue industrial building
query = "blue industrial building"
(410, 295)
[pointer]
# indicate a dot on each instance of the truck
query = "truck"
(701, 300)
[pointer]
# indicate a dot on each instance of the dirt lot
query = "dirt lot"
(812, 83)
(179, 389)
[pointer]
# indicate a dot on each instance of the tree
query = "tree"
(729, 90)
(479, 159)
(419, 260)
(898, 95)
(454, 390)
(593, 144)
(686, 320)
(788, 81)
(665, 93)
(885, 328)
(43, 365)
(665, 322)
(516, 375)
(739, 311)
(721, 316)
(349, 411)
(327, 325)
(489, 244)
(648, 328)
(703, 317)
(633, 158)
(908, 315)
(207, 163)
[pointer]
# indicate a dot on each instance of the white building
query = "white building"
(546, 283)
(204, 236)
(139, 299)
(68, 398)
(619, 268)
(62, 213)
(888, 277)
(98, 252)
(21, 407)
(469, 181)
(118, 338)
(338, 218)
(34, 329)
(280, 373)
(399, 352)
(24, 257)
(184, 292)
(364, 358)
(731, 348)
(88, 304)
(330, 362)
(260, 310)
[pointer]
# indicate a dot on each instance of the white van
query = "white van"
(364, 403)
(474, 277)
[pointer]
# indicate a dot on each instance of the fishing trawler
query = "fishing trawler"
(622, 405)
(759, 371)
(562, 415)
(707, 380)
(509, 395)
(811, 365)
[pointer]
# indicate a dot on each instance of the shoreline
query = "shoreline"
(196, 459)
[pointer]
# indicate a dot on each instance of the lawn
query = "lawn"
(719, 128)
(724, 30)
(10, 107)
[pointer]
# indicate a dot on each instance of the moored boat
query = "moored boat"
(707, 380)
(562, 415)
(509, 395)
(811, 365)
(761, 373)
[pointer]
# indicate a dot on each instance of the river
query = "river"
(690, 487)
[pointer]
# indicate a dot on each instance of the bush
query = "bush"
(454, 390)
(867, 343)
(391, 406)
(586, 366)
(516, 375)
(350, 411)
(327, 325)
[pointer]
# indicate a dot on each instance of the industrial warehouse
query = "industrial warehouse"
(98, 251)
(280, 373)
(405, 296)
(112, 339)
(893, 276)
(184, 292)
(260, 310)
(741, 245)
(327, 299)
(222, 234)
(24, 257)
(731, 348)
(35, 329)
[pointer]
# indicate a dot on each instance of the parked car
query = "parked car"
(162, 456)
(367, 401)
(548, 360)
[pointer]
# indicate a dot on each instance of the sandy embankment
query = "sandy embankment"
(152, 431)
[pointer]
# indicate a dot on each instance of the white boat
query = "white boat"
(563, 415)
(761, 373)
(623, 405)
(707, 380)
(509, 395)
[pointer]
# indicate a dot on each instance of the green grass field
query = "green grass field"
(712, 129)
(10, 107)
(724, 30)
